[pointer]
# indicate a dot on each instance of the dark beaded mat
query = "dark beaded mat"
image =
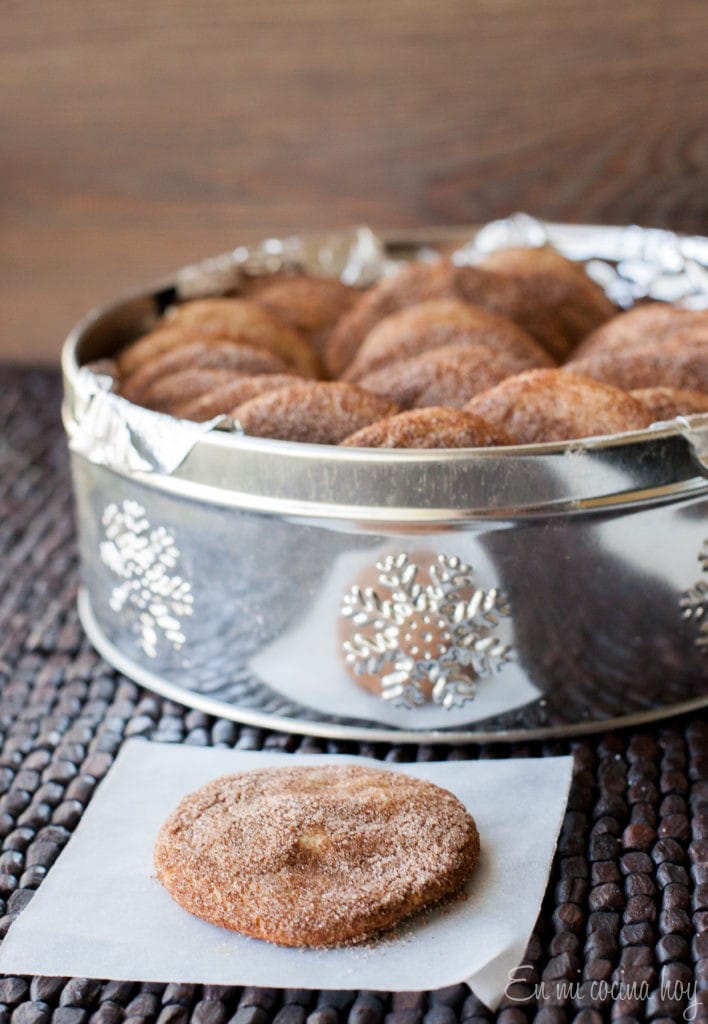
(623, 931)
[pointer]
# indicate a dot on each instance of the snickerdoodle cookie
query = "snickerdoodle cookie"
(311, 305)
(666, 403)
(438, 323)
(550, 297)
(436, 427)
(553, 297)
(321, 412)
(168, 393)
(673, 363)
(196, 356)
(222, 319)
(450, 375)
(554, 405)
(225, 397)
(315, 856)
(650, 323)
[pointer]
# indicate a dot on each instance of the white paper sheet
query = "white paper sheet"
(101, 913)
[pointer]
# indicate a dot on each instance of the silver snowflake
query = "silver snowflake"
(694, 602)
(144, 557)
(438, 636)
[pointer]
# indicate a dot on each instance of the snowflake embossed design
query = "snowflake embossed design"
(694, 602)
(440, 637)
(144, 558)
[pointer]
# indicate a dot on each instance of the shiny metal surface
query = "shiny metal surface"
(331, 728)
(223, 578)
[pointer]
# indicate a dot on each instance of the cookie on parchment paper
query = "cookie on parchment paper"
(315, 856)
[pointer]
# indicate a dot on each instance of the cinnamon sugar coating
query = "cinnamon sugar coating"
(429, 428)
(437, 323)
(555, 405)
(141, 353)
(556, 303)
(666, 403)
(450, 375)
(223, 319)
(311, 305)
(199, 355)
(321, 412)
(651, 323)
(315, 856)
(413, 283)
(171, 392)
(673, 362)
(555, 299)
(454, 382)
(225, 397)
(434, 335)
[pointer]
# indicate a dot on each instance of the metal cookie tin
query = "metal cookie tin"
(539, 590)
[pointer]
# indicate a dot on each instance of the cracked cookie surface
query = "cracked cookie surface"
(315, 856)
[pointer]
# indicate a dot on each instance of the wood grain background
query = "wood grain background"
(142, 134)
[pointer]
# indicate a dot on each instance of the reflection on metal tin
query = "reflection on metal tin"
(694, 602)
(421, 640)
(151, 595)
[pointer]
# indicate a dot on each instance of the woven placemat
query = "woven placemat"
(623, 932)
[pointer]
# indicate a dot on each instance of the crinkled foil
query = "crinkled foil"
(358, 257)
(112, 432)
(695, 430)
(630, 263)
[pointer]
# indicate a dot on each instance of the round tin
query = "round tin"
(238, 575)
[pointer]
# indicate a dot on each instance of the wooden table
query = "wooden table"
(139, 136)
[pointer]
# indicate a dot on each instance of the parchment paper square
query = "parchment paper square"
(101, 913)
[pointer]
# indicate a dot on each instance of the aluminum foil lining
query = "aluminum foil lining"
(110, 431)
(630, 263)
(695, 430)
(357, 257)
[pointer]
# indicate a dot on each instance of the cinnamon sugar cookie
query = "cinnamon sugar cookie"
(555, 298)
(171, 392)
(225, 397)
(554, 405)
(315, 856)
(666, 403)
(450, 375)
(555, 303)
(453, 381)
(241, 320)
(142, 352)
(223, 320)
(200, 355)
(431, 325)
(429, 428)
(413, 283)
(322, 412)
(674, 363)
(650, 323)
(311, 305)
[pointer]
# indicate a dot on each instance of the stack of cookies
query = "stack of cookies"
(521, 348)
